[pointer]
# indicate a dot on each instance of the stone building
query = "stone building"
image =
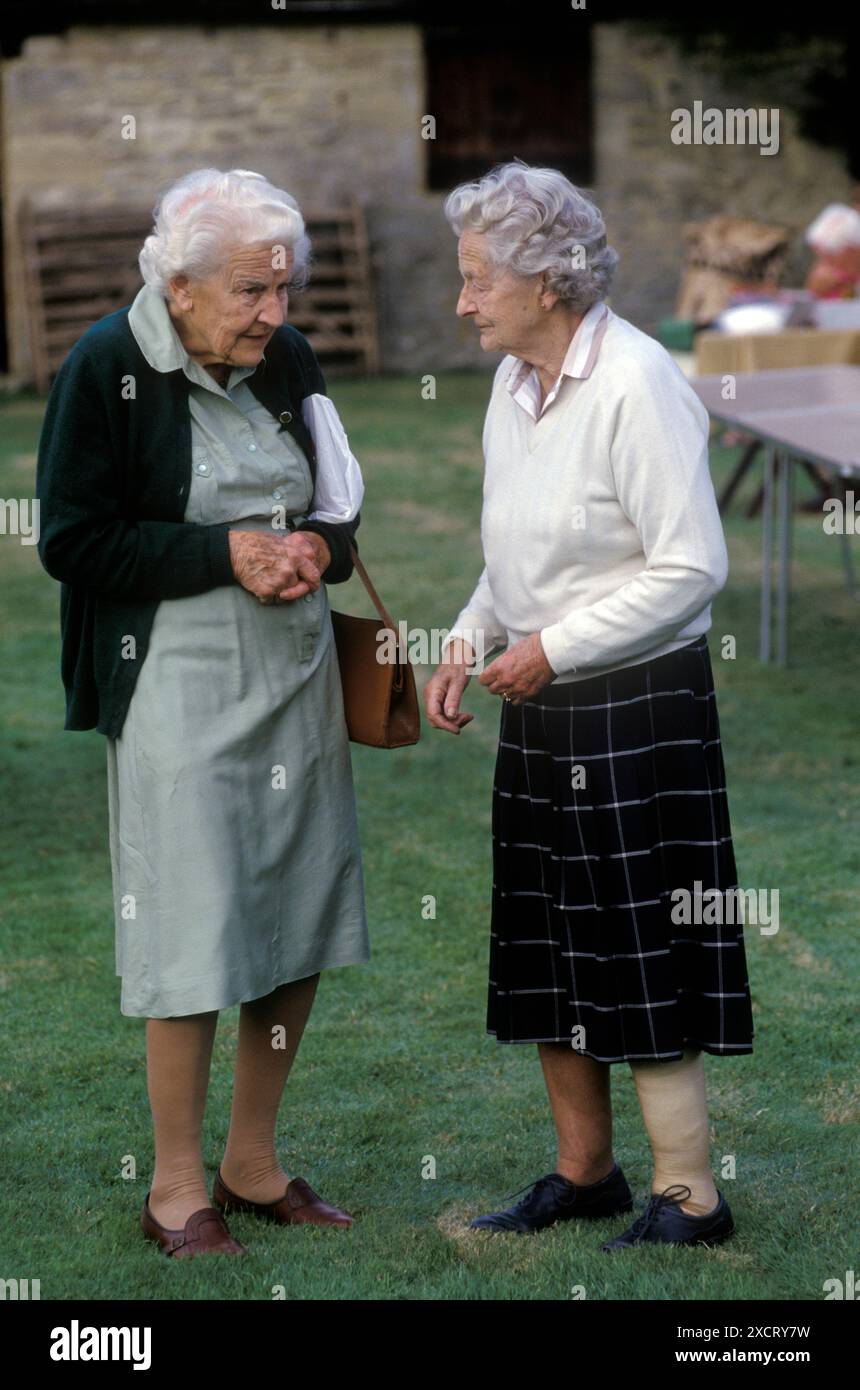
(332, 101)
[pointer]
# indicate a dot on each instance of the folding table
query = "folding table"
(799, 413)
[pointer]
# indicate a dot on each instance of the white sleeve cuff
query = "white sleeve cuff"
(339, 489)
(555, 649)
(472, 635)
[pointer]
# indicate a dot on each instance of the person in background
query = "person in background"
(834, 238)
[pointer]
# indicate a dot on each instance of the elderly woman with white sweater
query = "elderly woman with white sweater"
(603, 549)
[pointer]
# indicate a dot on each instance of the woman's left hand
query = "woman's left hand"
(311, 556)
(521, 672)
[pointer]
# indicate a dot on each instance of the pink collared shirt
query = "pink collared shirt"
(524, 382)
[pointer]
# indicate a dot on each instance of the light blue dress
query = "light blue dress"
(234, 839)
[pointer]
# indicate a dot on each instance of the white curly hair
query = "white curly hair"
(205, 214)
(535, 220)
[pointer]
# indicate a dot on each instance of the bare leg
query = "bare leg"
(178, 1056)
(270, 1030)
(579, 1095)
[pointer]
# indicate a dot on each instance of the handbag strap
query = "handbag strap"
(368, 584)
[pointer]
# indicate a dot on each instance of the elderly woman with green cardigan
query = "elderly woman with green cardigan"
(184, 478)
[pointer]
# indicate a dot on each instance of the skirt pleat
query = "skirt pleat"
(609, 796)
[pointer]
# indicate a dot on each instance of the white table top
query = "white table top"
(811, 412)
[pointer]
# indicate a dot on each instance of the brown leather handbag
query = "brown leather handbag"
(380, 701)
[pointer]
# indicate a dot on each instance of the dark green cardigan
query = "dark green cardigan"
(113, 477)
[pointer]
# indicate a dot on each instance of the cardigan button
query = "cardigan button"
(285, 417)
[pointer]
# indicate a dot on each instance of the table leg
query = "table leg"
(845, 538)
(766, 553)
(785, 499)
(738, 475)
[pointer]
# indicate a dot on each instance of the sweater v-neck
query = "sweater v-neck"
(538, 433)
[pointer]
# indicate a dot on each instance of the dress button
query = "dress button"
(277, 494)
(309, 598)
(285, 417)
(201, 468)
(252, 448)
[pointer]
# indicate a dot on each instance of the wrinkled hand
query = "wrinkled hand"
(520, 672)
(444, 690)
(277, 569)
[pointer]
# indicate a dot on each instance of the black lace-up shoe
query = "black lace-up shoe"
(555, 1198)
(664, 1223)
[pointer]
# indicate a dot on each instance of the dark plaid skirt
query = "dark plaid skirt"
(583, 936)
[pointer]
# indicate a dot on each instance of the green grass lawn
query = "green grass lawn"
(396, 1065)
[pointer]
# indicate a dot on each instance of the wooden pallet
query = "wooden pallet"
(78, 267)
(337, 310)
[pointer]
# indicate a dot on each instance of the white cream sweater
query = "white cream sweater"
(600, 527)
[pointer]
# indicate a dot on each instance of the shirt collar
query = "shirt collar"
(523, 382)
(161, 345)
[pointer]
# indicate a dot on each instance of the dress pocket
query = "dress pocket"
(201, 461)
(204, 486)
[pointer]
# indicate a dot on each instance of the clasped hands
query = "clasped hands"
(518, 674)
(277, 569)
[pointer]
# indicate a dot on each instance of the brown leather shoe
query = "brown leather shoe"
(205, 1233)
(299, 1204)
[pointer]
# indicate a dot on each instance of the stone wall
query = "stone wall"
(647, 186)
(323, 112)
(336, 111)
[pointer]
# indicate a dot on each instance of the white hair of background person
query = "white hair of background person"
(836, 227)
(534, 220)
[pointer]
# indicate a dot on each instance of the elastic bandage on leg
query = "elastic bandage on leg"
(674, 1107)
